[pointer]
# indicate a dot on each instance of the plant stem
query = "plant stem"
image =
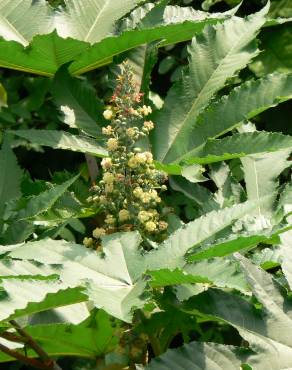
(27, 361)
(48, 362)
(92, 167)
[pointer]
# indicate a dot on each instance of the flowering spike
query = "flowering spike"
(129, 191)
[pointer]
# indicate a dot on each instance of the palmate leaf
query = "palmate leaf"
(47, 53)
(218, 272)
(21, 20)
(244, 102)
(11, 176)
(241, 145)
(214, 56)
(63, 140)
(199, 356)
(93, 20)
(171, 252)
(267, 332)
(72, 340)
(113, 281)
(22, 297)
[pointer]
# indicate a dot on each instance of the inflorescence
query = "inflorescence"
(129, 192)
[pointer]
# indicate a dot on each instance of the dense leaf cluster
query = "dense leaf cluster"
(215, 291)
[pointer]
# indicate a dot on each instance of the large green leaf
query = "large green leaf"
(93, 20)
(241, 145)
(214, 56)
(113, 281)
(21, 20)
(23, 297)
(218, 272)
(244, 102)
(47, 53)
(10, 177)
(171, 252)
(63, 140)
(267, 332)
(72, 340)
(199, 356)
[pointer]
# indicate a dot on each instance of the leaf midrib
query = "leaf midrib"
(201, 92)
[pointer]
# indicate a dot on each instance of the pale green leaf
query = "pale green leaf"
(241, 145)
(47, 53)
(199, 356)
(43, 202)
(261, 178)
(244, 102)
(63, 140)
(93, 20)
(21, 20)
(267, 332)
(214, 56)
(113, 281)
(170, 253)
(24, 297)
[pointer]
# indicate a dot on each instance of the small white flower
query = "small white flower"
(144, 216)
(137, 192)
(148, 125)
(108, 130)
(108, 114)
(87, 242)
(145, 110)
(124, 215)
(108, 178)
(133, 162)
(98, 232)
(110, 220)
(106, 163)
(112, 144)
(150, 226)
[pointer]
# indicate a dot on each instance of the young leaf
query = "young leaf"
(214, 56)
(63, 140)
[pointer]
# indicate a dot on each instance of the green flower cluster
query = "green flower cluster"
(129, 192)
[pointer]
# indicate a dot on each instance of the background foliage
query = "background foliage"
(44, 191)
